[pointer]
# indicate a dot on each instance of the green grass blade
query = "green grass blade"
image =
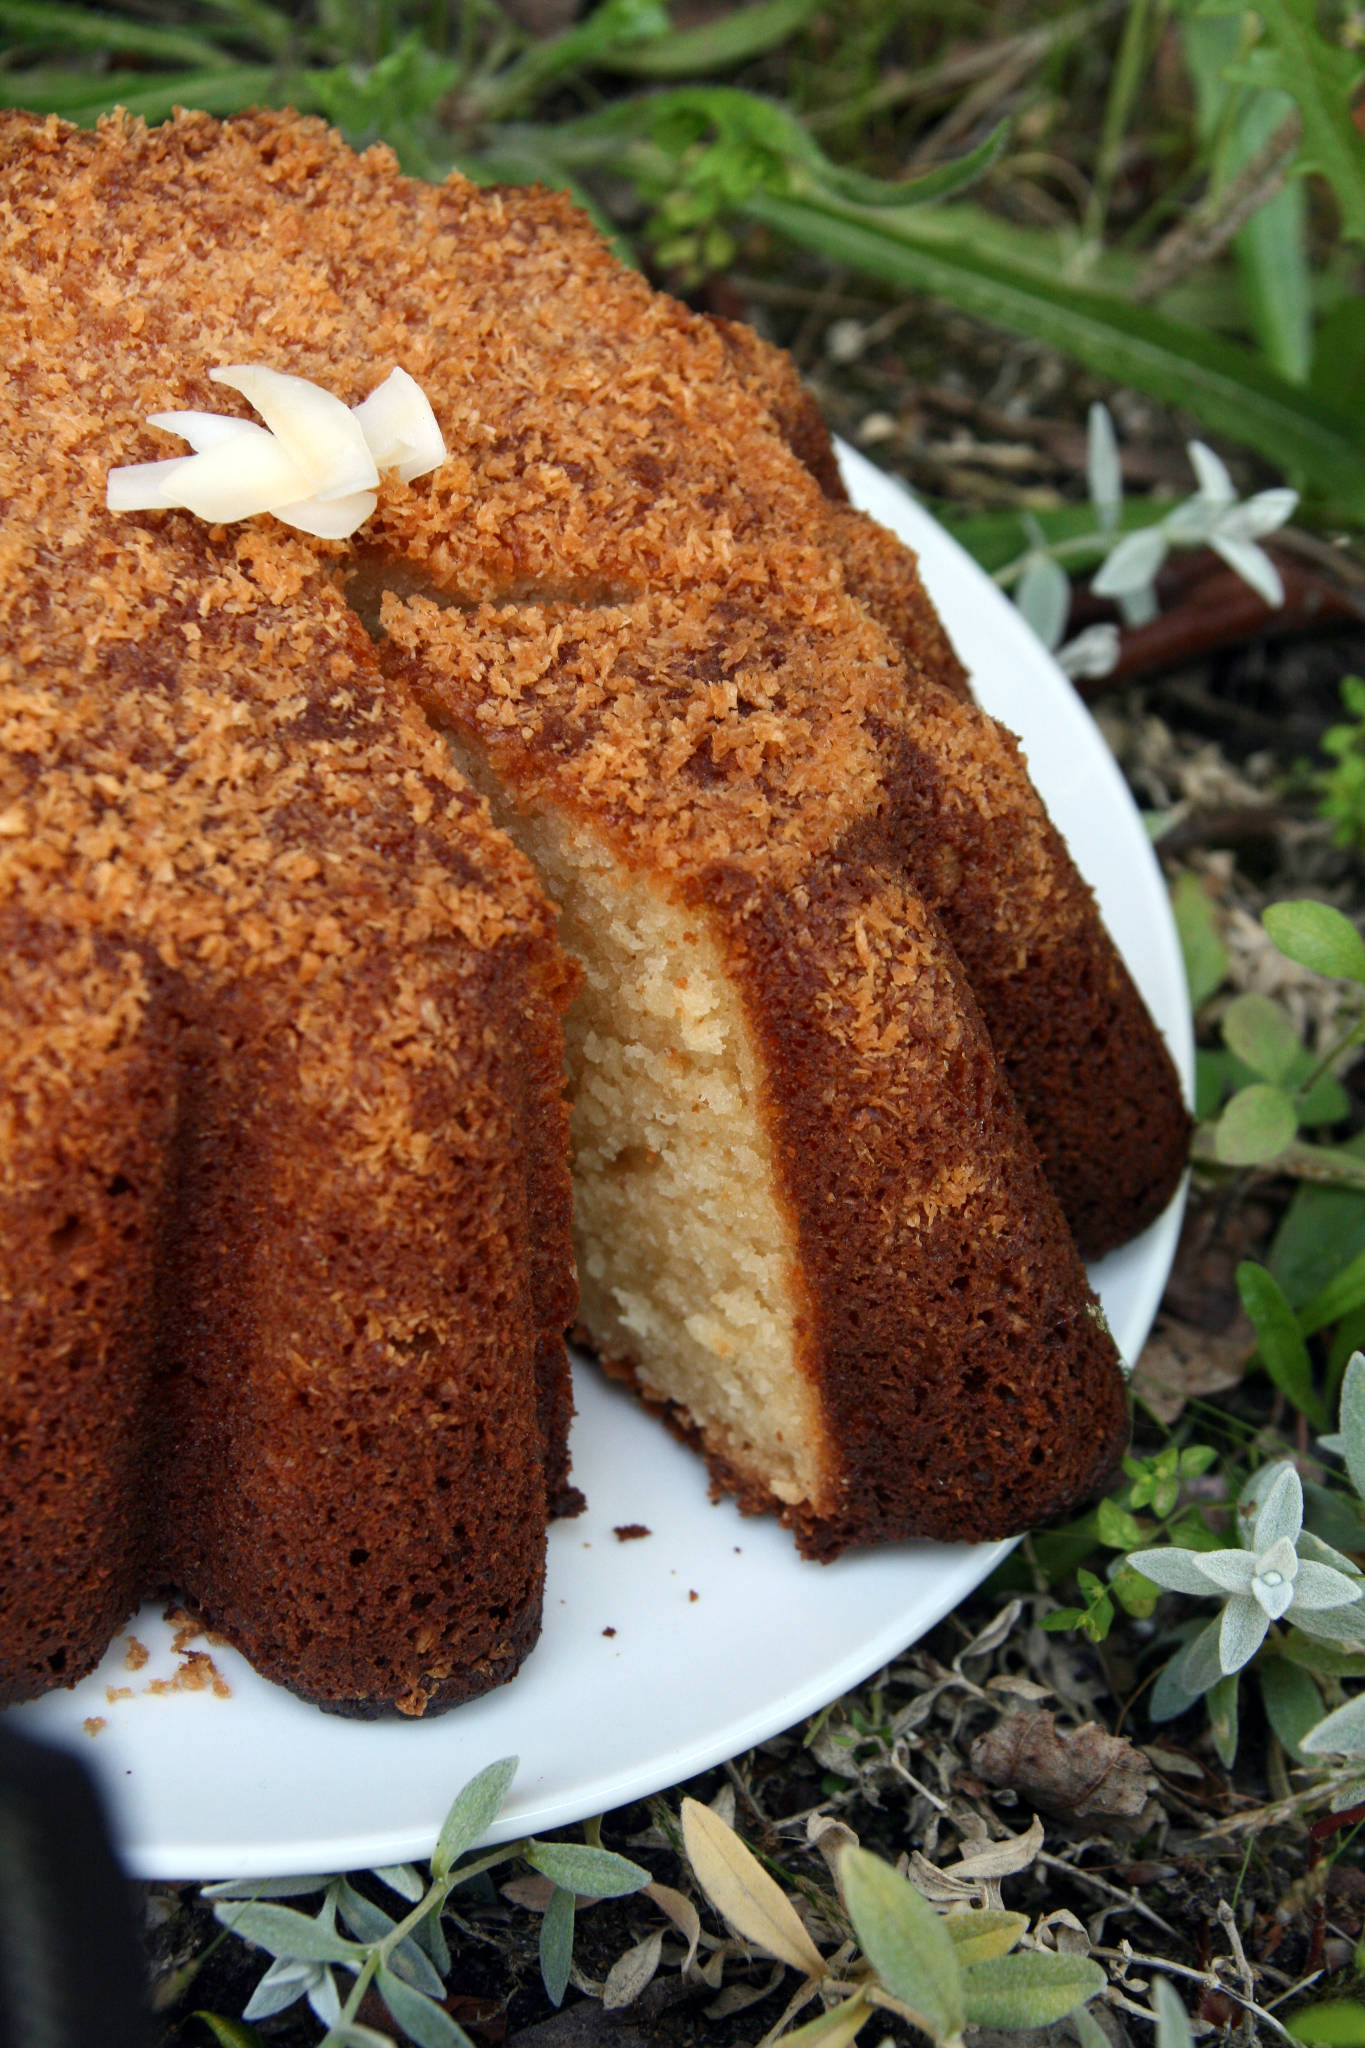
(824, 177)
(156, 98)
(76, 28)
(1322, 79)
(610, 29)
(1339, 354)
(1340, 1297)
(1320, 1233)
(1280, 1341)
(715, 45)
(1142, 22)
(778, 151)
(1272, 253)
(267, 25)
(1225, 386)
(78, 95)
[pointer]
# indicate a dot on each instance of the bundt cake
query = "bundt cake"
(284, 1206)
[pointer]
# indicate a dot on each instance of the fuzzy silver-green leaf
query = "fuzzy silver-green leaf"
(905, 1941)
(1030, 1990)
(592, 1873)
(472, 1813)
(982, 1932)
(280, 1931)
(423, 2021)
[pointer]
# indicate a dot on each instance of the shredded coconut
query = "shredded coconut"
(315, 463)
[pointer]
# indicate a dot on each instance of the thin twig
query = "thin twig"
(1139, 2012)
(940, 1805)
(973, 108)
(1209, 1979)
(1294, 1989)
(1208, 231)
(1227, 1920)
(733, 1773)
(1266, 1816)
(772, 291)
(1102, 1884)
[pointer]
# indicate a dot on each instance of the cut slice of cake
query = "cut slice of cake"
(809, 1219)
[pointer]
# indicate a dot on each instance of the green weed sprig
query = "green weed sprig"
(406, 1960)
(1130, 552)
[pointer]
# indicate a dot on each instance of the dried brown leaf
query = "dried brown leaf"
(999, 1859)
(682, 1913)
(1181, 1363)
(632, 1972)
(833, 2029)
(1086, 1776)
(735, 1997)
(534, 1893)
(741, 1890)
(992, 1636)
(712, 1971)
(1018, 1688)
(1173, 1761)
(938, 1886)
(723, 1805)
(830, 1837)
(1063, 1931)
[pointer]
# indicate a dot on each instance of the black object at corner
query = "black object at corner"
(71, 1971)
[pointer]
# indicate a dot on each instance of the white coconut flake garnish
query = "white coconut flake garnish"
(401, 427)
(314, 464)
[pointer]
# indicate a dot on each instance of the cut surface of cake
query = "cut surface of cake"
(285, 1245)
(810, 1221)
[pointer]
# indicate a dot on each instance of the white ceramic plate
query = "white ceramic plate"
(668, 1653)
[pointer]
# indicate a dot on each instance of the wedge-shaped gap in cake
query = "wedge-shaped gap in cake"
(685, 1257)
(790, 1132)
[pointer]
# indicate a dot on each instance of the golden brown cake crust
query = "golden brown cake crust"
(880, 570)
(645, 620)
(1096, 1084)
(967, 1382)
(604, 437)
(772, 377)
(284, 1207)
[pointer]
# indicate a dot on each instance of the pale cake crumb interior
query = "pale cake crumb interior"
(685, 1261)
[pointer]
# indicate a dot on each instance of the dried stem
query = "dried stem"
(1209, 1979)
(1197, 241)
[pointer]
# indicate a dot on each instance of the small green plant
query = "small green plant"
(406, 1960)
(1129, 560)
(1156, 1484)
(1289, 1606)
(1288, 1583)
(1274, 1087)
(941, 1972)
(1341, 788)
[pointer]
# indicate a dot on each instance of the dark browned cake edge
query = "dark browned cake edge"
(1095, 1080)
(880, 570)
